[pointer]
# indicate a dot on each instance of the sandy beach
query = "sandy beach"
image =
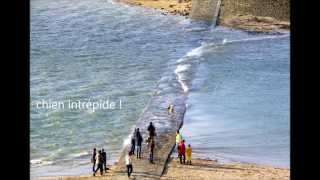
(208, 169)
(240, 21)
(205, 170)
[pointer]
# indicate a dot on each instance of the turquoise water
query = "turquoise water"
(237, 84)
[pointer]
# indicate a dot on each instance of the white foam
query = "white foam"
(184, 86)
(195, 52)
(178, 71)
(40, 162)
(80, 154)
(199, 51)
(181, 60)
(126, 141)
(195, 29)
(35, 161)
(224, 41)
(256, 39)
(181, 68)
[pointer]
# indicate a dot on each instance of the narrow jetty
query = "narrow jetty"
(166, 125)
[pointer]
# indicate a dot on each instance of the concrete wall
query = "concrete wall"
(205, 9)
(279, 9)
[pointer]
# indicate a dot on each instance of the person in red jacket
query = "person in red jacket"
(182, 152)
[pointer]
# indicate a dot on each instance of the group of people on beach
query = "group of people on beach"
(136, 143)
(184, 153)
(100, 160)
(137, 139)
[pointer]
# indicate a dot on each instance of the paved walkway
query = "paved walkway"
(168, 92)
(142, 168)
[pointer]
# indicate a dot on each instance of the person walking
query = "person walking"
(151, 148)
(129, 164)
(133, 142)
(99, 162)
(189, 154)
(93, 159)
(139, 143)
(182, 152)
(152, 130)
(178, 137)
(104, 158)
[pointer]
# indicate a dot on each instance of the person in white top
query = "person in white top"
(129, 163)
(99, 162)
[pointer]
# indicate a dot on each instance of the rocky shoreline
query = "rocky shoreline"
(171, 6)
(251, 23)
(244, 22)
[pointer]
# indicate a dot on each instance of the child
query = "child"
(189, 153)
(129, 164)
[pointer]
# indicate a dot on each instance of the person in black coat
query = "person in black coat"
(133, 142)
(139, 143)
(152, 130)
(104, 158)
(93, 159)
(99, 162)
(151, 144)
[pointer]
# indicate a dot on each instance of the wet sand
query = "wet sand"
(205, 170)
(210, 170)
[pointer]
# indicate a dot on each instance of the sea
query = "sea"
(237, 84)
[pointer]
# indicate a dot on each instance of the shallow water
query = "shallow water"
(236, 83)
(238, 107)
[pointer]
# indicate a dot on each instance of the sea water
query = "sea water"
(238, 106)
(237, 84)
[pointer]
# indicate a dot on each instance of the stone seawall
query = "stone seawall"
(278, 9)
(209, 10)
(248, 15)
